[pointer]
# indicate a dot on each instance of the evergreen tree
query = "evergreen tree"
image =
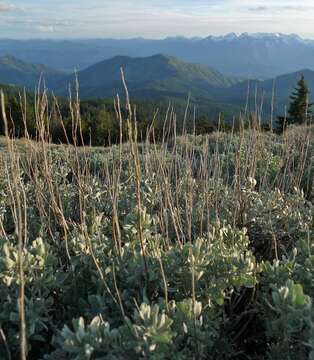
(282, 122)
(300, 108)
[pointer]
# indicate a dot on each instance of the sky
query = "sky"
(152, 18)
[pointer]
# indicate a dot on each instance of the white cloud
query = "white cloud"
(45, 28)
(4, 7)
(157, 18)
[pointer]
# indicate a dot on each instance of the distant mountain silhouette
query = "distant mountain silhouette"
(17, 72)
(247, 55)
(160, 77)
(250, 92)
(149, 77)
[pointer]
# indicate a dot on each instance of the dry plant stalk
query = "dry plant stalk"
(132, 137)
(18, 198)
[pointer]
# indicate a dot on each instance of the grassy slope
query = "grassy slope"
(219, 302)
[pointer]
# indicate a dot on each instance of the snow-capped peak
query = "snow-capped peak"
(259, 36)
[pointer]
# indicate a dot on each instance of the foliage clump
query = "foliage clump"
(196, 247)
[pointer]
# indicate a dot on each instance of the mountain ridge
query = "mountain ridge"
(260, 55)
(158, 73)
(17, 72)
(160, 77)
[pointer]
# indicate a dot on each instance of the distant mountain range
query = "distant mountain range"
(246, 55)
(149, 77)
(20, 73)
(160, 77)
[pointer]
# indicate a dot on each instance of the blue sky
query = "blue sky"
(152, 18)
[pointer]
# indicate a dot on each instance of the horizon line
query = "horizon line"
(216, 36)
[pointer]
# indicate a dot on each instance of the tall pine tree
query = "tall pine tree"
(300, 108)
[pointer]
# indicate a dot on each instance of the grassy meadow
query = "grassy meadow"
(193, 247)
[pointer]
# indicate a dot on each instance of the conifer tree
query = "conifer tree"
(299, 109)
